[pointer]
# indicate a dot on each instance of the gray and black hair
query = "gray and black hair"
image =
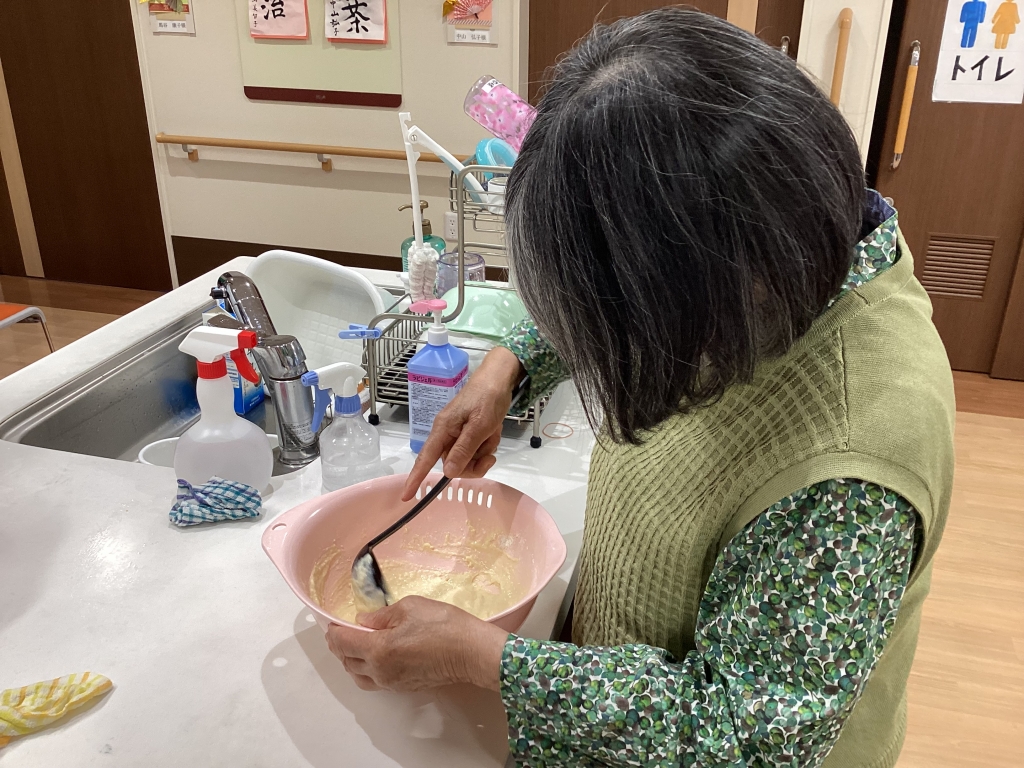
(686, 203)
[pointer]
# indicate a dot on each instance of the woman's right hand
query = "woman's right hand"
(467, 432)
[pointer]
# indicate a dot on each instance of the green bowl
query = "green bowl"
(488, 312)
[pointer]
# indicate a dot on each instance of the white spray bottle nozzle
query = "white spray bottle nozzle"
(437, 334)
(343, 379)
(210, 345)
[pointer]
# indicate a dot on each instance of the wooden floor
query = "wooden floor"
(25, 343)
(72, 310)
(967, 685)
(77, 296)
(978, 393)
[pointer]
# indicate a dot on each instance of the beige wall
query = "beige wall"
(194, 86)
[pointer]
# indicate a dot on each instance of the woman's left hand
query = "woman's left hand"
(419, 644)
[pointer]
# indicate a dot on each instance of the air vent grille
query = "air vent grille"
(957, 266)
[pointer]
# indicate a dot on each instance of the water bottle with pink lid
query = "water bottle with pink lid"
(500, 110)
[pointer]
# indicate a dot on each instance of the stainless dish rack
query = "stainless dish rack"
(388, 354)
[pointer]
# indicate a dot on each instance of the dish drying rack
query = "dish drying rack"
(389, 352)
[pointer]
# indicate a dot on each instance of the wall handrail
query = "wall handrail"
(322, 151)
(842, 48)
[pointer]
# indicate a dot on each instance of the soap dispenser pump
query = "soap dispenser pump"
(222, 444)
(349, 447)
(429, 238)
(436, 374)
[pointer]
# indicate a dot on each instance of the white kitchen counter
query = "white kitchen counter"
(214, 661)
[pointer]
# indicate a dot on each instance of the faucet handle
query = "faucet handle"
(280, 357)
(225, 321)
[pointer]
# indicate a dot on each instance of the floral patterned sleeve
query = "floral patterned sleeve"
(819, 575)
(539, 358)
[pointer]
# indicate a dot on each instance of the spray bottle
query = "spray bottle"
(436, 374)
(221, 443)
(349, 447)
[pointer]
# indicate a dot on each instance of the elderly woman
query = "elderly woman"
(691, 234)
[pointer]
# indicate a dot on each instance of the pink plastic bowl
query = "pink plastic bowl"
(349, 518)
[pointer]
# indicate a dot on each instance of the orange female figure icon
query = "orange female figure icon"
(1004, 23)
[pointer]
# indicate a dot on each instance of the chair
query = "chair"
(22, 313)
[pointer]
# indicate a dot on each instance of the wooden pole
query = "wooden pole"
(842, 48)
(287, 146)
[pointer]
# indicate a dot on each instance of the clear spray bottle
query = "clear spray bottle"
(222, 444)
(349, 447)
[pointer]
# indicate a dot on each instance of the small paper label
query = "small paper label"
(173, 24)
(180, 27)
(478, 36)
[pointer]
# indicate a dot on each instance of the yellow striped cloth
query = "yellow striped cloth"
(27, 709)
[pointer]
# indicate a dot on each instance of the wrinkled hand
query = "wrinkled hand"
(419, 644)
(467, 432)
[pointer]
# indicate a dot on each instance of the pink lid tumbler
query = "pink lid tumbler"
(500, 110)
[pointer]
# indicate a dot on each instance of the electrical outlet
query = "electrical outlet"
(451, 226)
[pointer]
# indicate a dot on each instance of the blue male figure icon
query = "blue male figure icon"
(972, 14)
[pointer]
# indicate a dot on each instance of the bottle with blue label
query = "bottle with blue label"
(248, 394)
(436, 374)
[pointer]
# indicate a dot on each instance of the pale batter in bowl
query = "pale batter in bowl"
(477, 574)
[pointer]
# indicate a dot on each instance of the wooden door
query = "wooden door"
(960, 193)
(76, 97)
(556, 25)
(10, 247)
(1009, 359)
(778, 19)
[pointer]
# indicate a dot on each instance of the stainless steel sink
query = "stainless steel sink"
(145, 393)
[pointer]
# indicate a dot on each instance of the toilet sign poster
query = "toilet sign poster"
(981, 57)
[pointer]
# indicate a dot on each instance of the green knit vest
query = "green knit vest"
(867, 394)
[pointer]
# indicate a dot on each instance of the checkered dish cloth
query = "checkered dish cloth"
(214, 501)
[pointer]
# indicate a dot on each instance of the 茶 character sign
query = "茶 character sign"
(356, 21)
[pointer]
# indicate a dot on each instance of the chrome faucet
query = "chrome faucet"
(281, 361)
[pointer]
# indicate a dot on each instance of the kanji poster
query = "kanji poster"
(356, 21)
(279, 19)
(981, 56)
(319, 70)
